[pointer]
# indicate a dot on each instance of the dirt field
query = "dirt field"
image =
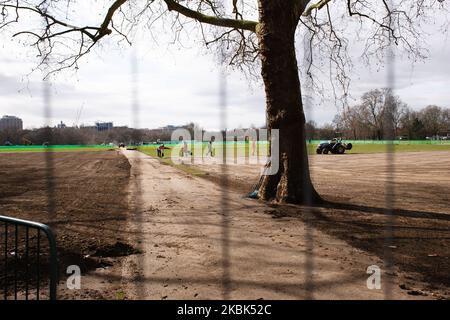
(152, 231)
(86, 206)
(355, 186)
(182, 227)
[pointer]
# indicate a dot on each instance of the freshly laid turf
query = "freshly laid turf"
(383, 148)
(242, 149)
(151, 150)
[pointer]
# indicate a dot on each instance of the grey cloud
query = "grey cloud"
(183, 87)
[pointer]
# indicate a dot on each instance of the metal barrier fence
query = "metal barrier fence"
(21, 263)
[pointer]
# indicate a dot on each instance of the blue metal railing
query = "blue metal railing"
(30, 279)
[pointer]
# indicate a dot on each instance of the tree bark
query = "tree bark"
(284, 110)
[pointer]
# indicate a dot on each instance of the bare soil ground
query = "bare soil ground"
(83, 196)
(355, 188)
(201, 240)
(152, 231)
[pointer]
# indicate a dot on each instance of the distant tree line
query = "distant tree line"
(84, 135)
(382, 115)
(379, 115)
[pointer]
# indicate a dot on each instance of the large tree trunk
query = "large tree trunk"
(276, 34)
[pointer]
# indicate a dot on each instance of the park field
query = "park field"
(88, 193)
(242, 149)
(130, 221)
(354, 187)
(383, 148)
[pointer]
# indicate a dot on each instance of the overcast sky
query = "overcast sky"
(177, 85)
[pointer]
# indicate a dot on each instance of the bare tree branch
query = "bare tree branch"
(317, 6)
(212, 20)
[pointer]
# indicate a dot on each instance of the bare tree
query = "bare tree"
(350, 122)
(63, 40)
(381, 111)
(372, 108)
(433, 120)
(310, 129)
(412, 126)
(446, 124)
(394, 111)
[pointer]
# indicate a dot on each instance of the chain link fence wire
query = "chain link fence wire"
(226, 262)
(389, 132)
(308, 102)
(224, 183)
(137, 200)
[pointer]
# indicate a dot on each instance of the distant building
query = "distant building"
(61, 125)
(11, 123)
(171, 127)
(103, 126)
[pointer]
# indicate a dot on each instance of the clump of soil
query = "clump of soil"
(119, 249)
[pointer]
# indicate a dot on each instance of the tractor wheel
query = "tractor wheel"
(349, 146)
(340, 150)
(319, 151)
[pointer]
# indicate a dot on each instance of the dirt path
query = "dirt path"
(181, 225)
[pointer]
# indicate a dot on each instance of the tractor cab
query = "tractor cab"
(335, 146)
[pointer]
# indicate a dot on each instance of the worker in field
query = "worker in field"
(185, 150)
(160, 150)
(253, 150)
(210, 147)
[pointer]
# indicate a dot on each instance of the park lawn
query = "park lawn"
(383, 148)
(358, 148)
(151, 151)
(240, 149)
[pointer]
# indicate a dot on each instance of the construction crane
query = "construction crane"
(77, 118)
